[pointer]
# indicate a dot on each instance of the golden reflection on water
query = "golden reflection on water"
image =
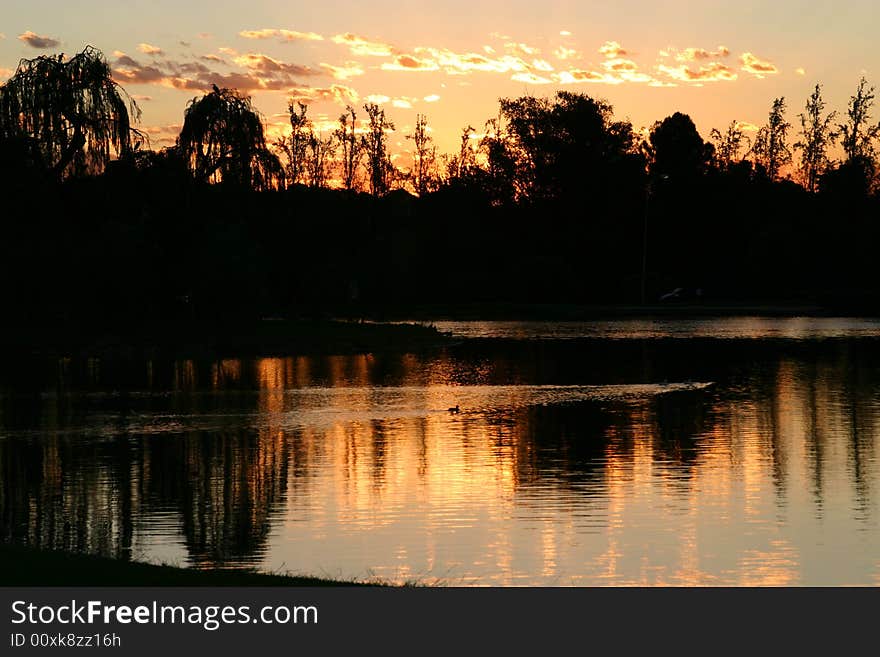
(315, 468)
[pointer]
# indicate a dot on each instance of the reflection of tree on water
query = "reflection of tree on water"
(226, 486)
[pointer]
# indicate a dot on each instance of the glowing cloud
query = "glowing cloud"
(361, 46)
(147, 49)
(410, 63)
(39, 42)
(712, 72)
(336, 93)
(283, 35)
(530, 78)
(756, 66)
(433, 98)
(701, 54)
(346, 72)
(612, 49)
(566, 53)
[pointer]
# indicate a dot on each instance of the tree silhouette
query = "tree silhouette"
(729, 145)
(817, 136)
(379, 167)
(677, 150)
(770, 149)
(857, 135)
(222, 140)
(424, 157)
(351, 147)
(295, 145)
(319, 153)
(69, 115)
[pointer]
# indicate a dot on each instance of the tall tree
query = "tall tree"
(424, 157)
(379, 167)
(858, 134)
(295, 145)
(319, 154)
(222, 140)
(817, 135)
(770, 148)
(729, 145)
(677, 150)
(351, 147)
(70, 115)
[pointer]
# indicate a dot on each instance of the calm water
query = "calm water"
(584, 458)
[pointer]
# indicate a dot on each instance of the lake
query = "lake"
(739, 451)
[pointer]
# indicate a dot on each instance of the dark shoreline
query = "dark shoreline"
(24, 566)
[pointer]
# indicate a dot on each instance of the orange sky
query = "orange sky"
(715, 61)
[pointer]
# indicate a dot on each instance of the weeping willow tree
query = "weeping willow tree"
(222, 140)
(69, 116)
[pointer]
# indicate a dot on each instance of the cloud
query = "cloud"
(364, 47)
(542, 65)
(37, 41)
(262, 73)
(336, 93)
(530, 78)
(612, 49)
(378, 99)
(701, 54)
(141, 98)
(756, 66)
(620, 65)
(564, 33)
(205, 35)
(283, 35)
(433, 98)
(521, 49)
(712, 72)
(580, 76)
(410, 63)
(800, 71)
(345, 72)
(455, 63)
(147, 49)
(402, 103)
(210, 57)
(273, 67)
(163, 134)
(232, 52)
(566, 53)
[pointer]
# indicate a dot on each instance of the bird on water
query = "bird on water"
(454, 409)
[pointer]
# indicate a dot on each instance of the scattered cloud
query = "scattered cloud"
(141, 98)
(566, 53)
(530, 78)
(205, 35)
(612, 49)
(800, 71)
(148, 49)
(336, 93)
(272, 67)
(262, 73)
(402, 103)
(711, 72)
(232, 52)
(521, 49)
(345, 72)
(756, 66)
(564, 33)
(39, 42)
(360, 46)
(542, 65)
(433, 98)
(701, 54)
(163, 134)
(410, 63)
(210, 57)
(378, 99)
(283, 35)
(582, 76)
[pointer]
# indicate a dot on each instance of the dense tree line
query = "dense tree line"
(555, 200)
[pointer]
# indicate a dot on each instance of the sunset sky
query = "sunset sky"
(717, 61)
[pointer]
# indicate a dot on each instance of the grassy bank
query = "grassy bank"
(21, 566)
(241, 338)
